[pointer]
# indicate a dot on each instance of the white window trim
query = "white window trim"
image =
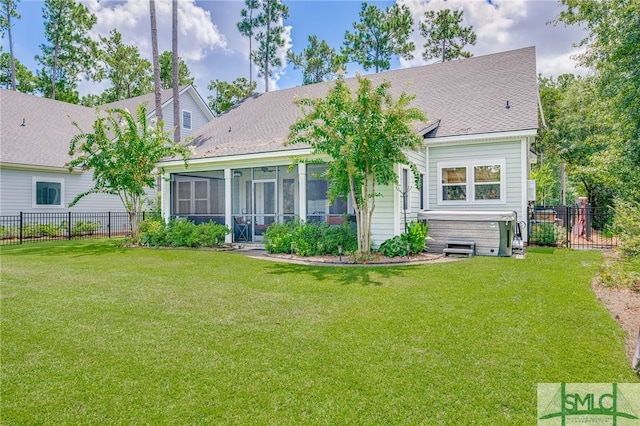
(470, 164)
(190, 119)
(34, 195)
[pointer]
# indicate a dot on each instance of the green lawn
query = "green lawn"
(93, 333)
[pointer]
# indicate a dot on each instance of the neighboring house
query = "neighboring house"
(35, 133)
(482, 119)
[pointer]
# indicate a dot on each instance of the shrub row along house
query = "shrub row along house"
(482, 119)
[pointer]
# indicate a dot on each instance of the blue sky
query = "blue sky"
(213, 48)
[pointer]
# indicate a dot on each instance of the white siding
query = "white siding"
(16, 193)
(187, 103)
(510, 151)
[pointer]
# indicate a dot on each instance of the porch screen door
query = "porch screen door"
(264, 206)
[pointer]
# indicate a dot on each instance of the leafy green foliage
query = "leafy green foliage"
(166, 70)
(229, 94)
(35, 230)
(80, 227)
(310, 238)
(365, 135)
(123, 153)
(379, 36)
(69, 50)
(628, 221)
(182, 233)
(130, 74)
(26, 82)
(318, 61)
(446, 37)
(547, 234)
(8, 232)
(413, 242)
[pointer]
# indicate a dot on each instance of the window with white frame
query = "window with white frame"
(186, 120)
(469, 182)
(48, 192)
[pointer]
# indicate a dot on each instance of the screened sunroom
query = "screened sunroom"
(248, 200)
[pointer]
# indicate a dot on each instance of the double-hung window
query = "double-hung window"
(471, 182)
(48, 192)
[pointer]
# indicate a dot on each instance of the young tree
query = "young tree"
(166, 71)
(379, 36)
(129, 73)
(70, 51)
(25, 81)
(123, 151)
(318, 61)
(175, 74)
(229, 94)
(247, 26)
(156, 61)
(8, 11)
(446, 37)
(365, 134)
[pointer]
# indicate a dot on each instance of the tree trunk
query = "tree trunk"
(156, 61)
(267, 43)
(176, 92)
(14, 86)
(54, 69)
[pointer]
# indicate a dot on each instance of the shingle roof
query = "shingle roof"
(44, 138)
(466, 96)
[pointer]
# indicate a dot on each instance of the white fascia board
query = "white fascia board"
(36, 168)
(481, 137)
(195, 162)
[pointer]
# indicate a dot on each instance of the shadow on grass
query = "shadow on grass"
(74, 248)
(344, 275)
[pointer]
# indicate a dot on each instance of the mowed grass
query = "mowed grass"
(93, 333)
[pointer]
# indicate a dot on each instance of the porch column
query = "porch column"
(228, 219)
(302, 190)
(165, 196)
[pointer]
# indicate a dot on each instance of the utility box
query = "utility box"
(492, 232)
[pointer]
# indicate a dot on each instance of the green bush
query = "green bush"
(310, 238)
(182, 233)
(628, 221)
(36, 230)
(208, 234)
(81, 228)
(8, 232)
(413, 242)
(546, 234)
(153, 232)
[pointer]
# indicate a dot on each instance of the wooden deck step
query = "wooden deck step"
(459, 246)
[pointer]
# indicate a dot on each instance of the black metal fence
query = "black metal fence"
(582, 227)
(29, 227)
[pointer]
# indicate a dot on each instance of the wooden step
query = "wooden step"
(448, 251)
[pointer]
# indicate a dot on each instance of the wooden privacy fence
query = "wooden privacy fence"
(28, 227)
(575, 226)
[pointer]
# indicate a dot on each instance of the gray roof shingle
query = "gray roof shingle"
(466, 96)
(44, 138)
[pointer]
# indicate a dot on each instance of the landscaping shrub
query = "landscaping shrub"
(413, 242)
(310, 238)
(546, 234)
(628, 221)
(182, 233)
(35, 230)
(8, 232)
(81, 228)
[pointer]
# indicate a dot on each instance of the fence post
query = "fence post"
(21, 224)
(69, 225)
(567, 228)
(109, 225)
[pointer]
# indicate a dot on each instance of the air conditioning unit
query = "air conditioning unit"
(531, 190)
